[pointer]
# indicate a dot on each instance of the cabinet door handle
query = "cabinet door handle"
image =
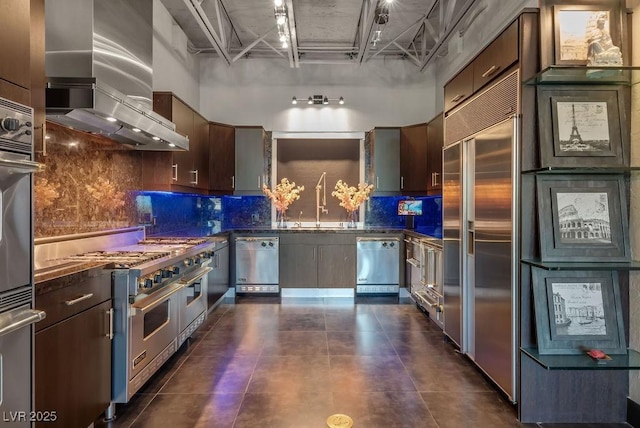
(457, 98)
(377, 182)
(195, 176)
(110, 315)
(174, 171)
(259, 181)
(401, 182)
(314, 253)
(233, 181)
(78, 300)
(490, 71)
(320, 253)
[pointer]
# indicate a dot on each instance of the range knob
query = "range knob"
(167, 273)
(264, 244)
(10, 124)
(157, 277)
(176, 270)
(392, 244)
(148, 283)
(384, 244)
(270, 244)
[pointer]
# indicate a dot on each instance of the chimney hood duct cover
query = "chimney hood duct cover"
(85, 104)
(99, 58)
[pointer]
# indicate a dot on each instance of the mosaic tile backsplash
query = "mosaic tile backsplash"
(382, 211)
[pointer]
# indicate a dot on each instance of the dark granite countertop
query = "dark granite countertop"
(261, 230)
(64, 274)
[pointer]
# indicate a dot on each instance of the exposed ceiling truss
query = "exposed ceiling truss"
(323, 32)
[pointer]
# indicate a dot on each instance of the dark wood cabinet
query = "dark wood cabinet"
(384, 168)
(421, 157)
(492, 62)
(72, 370)
(310, 260)
(435, 142)
(179, 171)
(222, 154)
(413, 158)
(15, 42)
(250, 156)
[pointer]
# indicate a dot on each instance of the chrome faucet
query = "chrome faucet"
(299, 222)
(321, 208)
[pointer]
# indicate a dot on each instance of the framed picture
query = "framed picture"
(583, 218)
(578, 310)
(584, 127)
(582, 31)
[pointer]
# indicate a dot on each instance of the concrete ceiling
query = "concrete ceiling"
(321, 31)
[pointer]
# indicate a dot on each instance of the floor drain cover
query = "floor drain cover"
(339, 421)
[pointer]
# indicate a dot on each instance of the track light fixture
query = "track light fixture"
(319, 100)
(282, 20)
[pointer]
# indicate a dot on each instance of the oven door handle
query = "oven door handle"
(18, 318)
(169, 290)
(413, 262)
(22, 166)
(198, 275)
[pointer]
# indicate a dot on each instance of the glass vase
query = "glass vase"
(352, 219)
(281, 219)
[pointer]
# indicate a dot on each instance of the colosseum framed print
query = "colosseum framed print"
(577, 311)
(583, 127)
(583, 218)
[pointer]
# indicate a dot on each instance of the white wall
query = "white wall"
(259, 92)
(174, 69)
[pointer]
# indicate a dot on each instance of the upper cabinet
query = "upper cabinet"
(222, 150)
(15, 42)
(384, 147)
(490, 63)
(435, 142)
(250, 168)
(421, 157)
(184, 171)
(413, 158)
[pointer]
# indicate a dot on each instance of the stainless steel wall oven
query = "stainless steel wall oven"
(16, 273)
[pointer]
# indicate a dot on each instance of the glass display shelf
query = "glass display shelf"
(632, 265)
(581, 75)
(628, 361)
(582, 170)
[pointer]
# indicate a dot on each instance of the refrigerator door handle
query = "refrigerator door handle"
(472, 242)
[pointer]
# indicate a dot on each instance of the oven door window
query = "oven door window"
(156, 318)
(193, 291)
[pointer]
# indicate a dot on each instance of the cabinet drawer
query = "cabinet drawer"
(68, 295)
(496, 58)
(459, 88)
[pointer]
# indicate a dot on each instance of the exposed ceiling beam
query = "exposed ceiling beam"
(367, 27)
(446, 31)
(206, 26)
(220, 26)
(250, 46)
(293, 43)
(273, 48)
(405, 31)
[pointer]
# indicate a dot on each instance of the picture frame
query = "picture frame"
(582, 218)
(576, 311)
(583, 126)
(574, 25)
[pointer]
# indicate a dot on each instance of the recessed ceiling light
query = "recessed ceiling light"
(171, 145)
(156, 138)
(112, 119)
(135, 129)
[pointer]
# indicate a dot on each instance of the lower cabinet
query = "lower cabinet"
(317, 260)
(72, 373)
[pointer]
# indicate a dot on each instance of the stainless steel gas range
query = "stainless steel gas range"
(159, 291)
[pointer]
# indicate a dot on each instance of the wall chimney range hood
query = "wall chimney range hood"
(98, 59)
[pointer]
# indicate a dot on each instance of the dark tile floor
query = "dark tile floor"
(266, 362)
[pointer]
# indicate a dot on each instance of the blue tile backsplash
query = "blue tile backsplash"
(165, 213)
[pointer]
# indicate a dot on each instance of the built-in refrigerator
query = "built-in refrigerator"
(480, 249)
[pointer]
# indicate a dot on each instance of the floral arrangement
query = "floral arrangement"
(350, 197)
(283, 194)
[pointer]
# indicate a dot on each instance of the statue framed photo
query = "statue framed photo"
(583, 126)
(587, 34)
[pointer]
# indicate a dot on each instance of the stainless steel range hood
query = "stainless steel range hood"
(98, 59)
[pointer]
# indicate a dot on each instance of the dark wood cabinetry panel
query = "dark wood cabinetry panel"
(496, 58)
(200, 154)
(73, 368)
(459, 88)
(38, 79)
(222, 153)
(413, 158)
(435, 142)
(15, 44)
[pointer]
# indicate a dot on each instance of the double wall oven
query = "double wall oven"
(16, 273)
(159, 289)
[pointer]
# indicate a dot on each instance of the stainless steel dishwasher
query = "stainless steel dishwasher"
(257, 264)
(378, 265)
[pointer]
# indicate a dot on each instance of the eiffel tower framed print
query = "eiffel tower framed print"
(583, 126)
